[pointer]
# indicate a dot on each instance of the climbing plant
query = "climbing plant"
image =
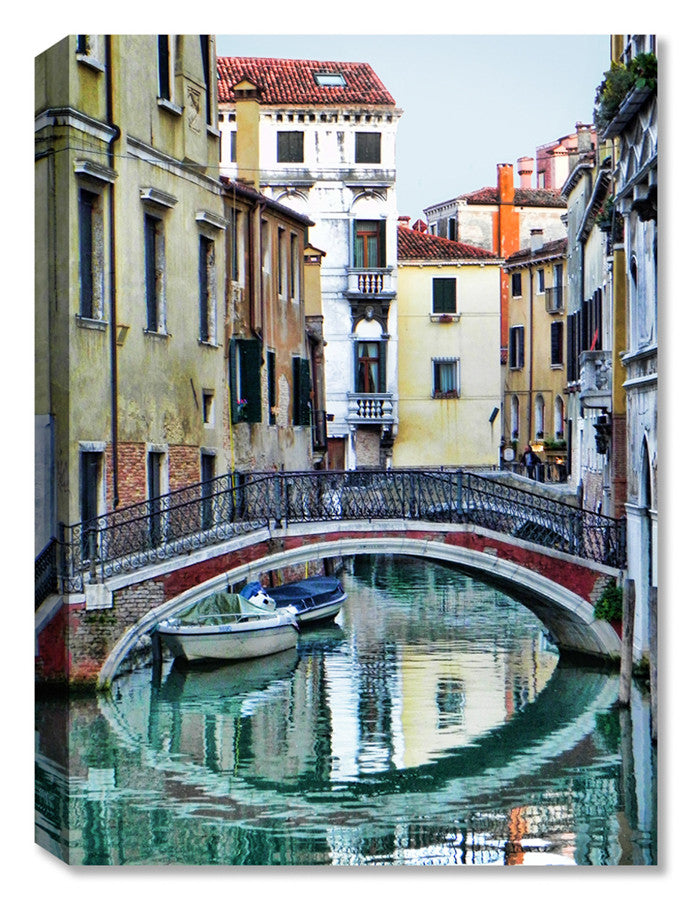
(609, 604)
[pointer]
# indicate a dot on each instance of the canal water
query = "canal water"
(432, 724)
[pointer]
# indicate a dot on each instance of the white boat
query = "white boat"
(226, 626)
(315, 599)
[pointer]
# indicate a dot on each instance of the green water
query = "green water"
(432, 724)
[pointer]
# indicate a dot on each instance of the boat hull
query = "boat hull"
(229, 642)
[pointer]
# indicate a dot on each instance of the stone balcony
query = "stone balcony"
(370, 409)
(596, 378)
(370, 282)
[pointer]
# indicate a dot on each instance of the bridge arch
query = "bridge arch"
(566, 614)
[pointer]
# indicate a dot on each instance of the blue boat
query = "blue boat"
(315, 599)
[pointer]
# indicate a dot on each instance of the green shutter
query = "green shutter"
(233, 380)
(250, 382)
(301, 391)
(382, 250)
(444, 296)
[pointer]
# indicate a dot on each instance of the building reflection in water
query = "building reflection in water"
(404, 734)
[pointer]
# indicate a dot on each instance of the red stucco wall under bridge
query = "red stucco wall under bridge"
(84, 640)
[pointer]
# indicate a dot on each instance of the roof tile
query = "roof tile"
(283, 81)
(413, 244)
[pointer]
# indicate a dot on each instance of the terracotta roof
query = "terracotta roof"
(522, 197)
(545, 251)
(420, 245)
(292, 81)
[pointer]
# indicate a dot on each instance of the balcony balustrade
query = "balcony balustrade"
(370, 409)
(370, 281)
(554, 299)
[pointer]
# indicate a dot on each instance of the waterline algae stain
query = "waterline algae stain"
(432, 724)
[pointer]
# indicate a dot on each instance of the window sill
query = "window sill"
(446, 395)
(444, 318)
(162, 335)
(209, 344)
(93, 324)
(90, 62)
(169, 106)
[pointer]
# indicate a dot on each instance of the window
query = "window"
(154, 273)
(516, 347)
(539, 410)
(271, 386)
(207, 290)
(329, 79)
(559, 414)
(245, 361)
(208, 407)
(90, 255)
(445, 378)
(301, 391)
(369, 244)
(205, 46)
(90, 493)
(447, 228)
(233, 136)
(556, 344)
(155, 464)
(516, 284)
(164, 61)
(289, 146)
(369, 368)
(541, 281)
(444, 299)
(235, 255)
(514, 414)
(294, 269)
(368, 146)
(452, 229)
(90, 51)
(281, 266)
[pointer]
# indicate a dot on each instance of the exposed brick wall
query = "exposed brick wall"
(183, 466)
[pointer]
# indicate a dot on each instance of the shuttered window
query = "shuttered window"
(301, 391)
(556, 344)
(289, 146)
(245, 361)
(444, 295)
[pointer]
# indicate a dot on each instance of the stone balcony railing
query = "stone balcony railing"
(370, 282)
(370, 409)
(596, 378)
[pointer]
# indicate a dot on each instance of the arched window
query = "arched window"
(514, 412)
(539, 409)
(559, 418)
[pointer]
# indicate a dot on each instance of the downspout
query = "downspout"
(530, 355)
(112, 279)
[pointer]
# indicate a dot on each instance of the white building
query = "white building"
(320, 138)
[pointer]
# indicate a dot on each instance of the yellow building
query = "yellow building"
(534, 391)
(129, 272)
(449, 368)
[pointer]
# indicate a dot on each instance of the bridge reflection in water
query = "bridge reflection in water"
(431, 725)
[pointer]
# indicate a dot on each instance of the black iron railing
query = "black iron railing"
(46, 572)
(214, 511)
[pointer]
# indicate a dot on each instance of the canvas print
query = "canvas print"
(346, 450)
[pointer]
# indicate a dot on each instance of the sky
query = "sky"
(469, 101)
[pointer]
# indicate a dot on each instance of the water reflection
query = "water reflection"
(431, 725)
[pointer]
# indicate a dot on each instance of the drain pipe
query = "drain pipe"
(113, 306)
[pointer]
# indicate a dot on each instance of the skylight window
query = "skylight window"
(329, 79)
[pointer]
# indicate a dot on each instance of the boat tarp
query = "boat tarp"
(212, 610)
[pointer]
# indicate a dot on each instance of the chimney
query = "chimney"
(583, 138)
(525, 170)
(536, 239)
(505, 183)
(405, 220)
(247, 138)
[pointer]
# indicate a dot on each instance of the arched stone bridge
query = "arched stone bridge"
(121, 574)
